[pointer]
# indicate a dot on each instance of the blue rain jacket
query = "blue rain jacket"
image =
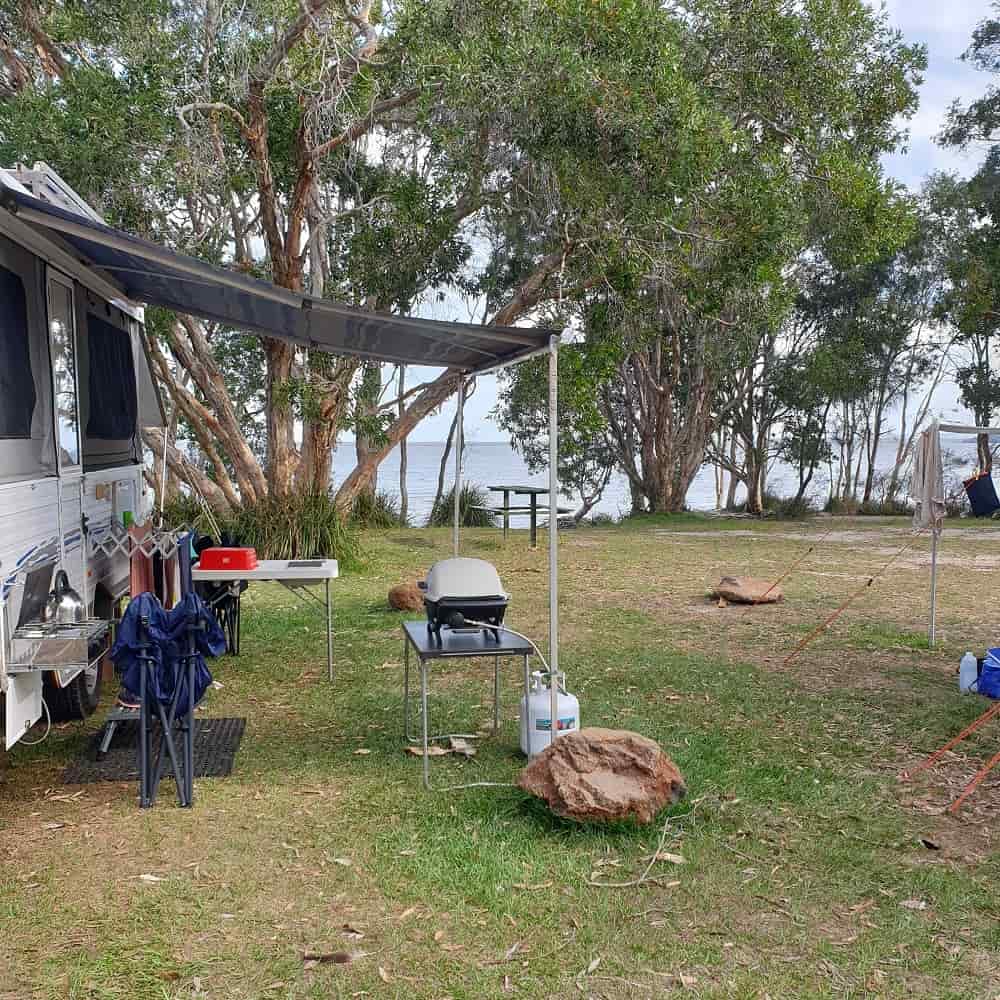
(168, 641)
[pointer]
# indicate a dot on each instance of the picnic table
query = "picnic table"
(532, 508)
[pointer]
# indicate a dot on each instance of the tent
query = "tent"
(927, 490)
(118, 265)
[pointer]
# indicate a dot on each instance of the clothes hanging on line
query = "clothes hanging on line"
(982, 494)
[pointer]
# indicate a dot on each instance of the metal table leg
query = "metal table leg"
(423, 721)
(329, 633)
(534, 520)
(406, 693)
(496, 695)
(506, 513)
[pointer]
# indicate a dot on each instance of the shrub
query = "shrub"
(601, 521)
(788, 506)
(299, 526)
(471, 515)
(379, 510)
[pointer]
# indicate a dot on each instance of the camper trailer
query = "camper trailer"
(75, 389)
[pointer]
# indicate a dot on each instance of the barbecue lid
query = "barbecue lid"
(462, 577)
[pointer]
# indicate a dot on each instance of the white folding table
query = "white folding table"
(297, 575)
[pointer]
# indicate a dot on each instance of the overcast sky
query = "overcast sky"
(945, 27)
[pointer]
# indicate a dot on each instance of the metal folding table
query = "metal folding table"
(454, 645)
(297, 575)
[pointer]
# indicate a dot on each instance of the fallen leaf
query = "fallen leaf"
(53, 826)
(329, 957)
(913, 904)
(439, 935)
(511, 951)
(408, 912)
(507, 986)
(674, 859)
(346, 862)
(149, 877)
(532, 888)
(361, 752)
(594, 963)
(383, 975)
(931, 845)
(432, 751)
(352, 932)
(463, 747)
(687, 981)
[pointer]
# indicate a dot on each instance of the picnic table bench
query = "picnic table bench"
(532, 508)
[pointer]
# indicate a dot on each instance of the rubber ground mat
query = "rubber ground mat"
(215, 744)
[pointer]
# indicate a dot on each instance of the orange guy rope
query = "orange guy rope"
(938, 754)
(843, 607)
(795, 564)
(972, 785)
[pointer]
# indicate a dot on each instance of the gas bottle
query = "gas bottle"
(536, 713)
(968, 674)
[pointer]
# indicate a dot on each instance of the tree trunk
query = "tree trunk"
(366, 412)
(281, 456)
(445, 455)
(404, 497)
(364, 473)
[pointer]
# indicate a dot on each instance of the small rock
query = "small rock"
(406, 597)
(604, 774)
(748, 590)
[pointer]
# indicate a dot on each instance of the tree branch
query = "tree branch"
(367, 123)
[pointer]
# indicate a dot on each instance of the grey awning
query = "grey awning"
(156, 276)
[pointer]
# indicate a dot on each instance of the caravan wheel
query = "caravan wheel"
(76, 701)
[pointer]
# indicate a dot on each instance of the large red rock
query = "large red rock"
(748, 590)
(604, 774)
(406, 597)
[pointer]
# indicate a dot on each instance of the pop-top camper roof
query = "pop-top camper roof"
(144, 272)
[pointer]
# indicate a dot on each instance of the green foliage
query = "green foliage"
(301, 526)
(471, 515)
(379, 510)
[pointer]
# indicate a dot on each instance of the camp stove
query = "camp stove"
(463, 590)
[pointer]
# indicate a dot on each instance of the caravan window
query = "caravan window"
(114, 408)
(63, 346)
(17, 386)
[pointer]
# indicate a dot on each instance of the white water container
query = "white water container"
(968, 674)
(536, 714)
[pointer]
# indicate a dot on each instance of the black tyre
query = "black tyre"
(79, 699)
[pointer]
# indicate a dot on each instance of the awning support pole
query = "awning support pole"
(932, 626)
(458, 461)
(554, 535)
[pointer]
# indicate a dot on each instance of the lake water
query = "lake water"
(495, 462)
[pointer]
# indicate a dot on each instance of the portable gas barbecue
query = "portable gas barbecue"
(463, 589)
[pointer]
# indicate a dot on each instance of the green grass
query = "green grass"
(799, 845)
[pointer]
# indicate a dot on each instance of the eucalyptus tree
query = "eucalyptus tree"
(758, 138)
(974, 303)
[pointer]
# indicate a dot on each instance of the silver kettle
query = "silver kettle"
(64, 606)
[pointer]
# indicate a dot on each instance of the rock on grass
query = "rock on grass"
(604, 775)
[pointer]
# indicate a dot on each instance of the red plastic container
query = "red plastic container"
(228, 559)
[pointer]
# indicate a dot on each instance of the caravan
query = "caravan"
(75, 389)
